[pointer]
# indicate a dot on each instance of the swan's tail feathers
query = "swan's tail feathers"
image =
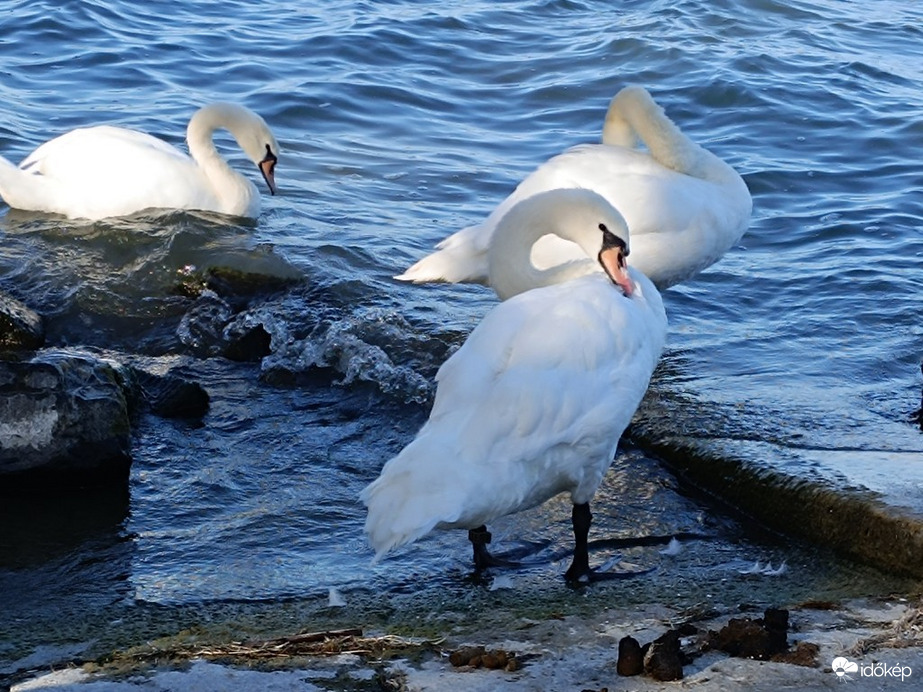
(457, 259)
(8, 174)
(21, 189)
(403, 506)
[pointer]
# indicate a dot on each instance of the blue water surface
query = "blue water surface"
(400, 122)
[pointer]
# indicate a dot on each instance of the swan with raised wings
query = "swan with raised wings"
(534, 402)
(684, 205)
(98, 172)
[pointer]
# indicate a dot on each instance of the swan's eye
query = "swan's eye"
(270, 157)
(612, 240)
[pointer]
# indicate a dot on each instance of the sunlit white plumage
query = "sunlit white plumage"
(685, 206)
(103, 171)
(534, 402)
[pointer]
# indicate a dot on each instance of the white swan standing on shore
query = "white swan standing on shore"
(103, 171)
(685, 206)
(534, 402)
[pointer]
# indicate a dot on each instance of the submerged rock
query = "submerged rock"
(172, 396)
(21, 328)
(211, 328)
(64, 420)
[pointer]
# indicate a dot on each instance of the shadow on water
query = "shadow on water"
(65, 562)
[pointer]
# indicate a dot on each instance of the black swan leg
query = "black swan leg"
(480, 538)
(579, 569)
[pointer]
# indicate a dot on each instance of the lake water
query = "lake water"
(400, 122)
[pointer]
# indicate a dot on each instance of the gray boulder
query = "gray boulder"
(64, 420)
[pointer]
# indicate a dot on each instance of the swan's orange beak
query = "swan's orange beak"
(268, 168)
(612, 258)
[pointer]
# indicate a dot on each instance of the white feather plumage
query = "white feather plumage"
(104, 171)
(534, 402)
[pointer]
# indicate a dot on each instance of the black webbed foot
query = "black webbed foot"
(484, 559)
(580, 571)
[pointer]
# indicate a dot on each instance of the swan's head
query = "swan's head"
(249, 129)
(260, 145)
(578, 215)
(589, 220)
(267, 166)
(612, 256)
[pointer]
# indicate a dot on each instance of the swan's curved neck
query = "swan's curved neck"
(510, 267)
(199, 138)
(233, 191)
(633, 115)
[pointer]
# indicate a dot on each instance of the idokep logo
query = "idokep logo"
(844, 668)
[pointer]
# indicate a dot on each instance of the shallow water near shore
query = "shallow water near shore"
(400, 123)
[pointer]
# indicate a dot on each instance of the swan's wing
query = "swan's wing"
(98, 152)
(679, 224)
(109, 171)
(462, 256)
(539, 352)
(459, 258)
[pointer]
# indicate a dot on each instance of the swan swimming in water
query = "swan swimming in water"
(103, 171)
(685, 206)
(534, 402)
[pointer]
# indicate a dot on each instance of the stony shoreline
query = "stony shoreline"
(882, 637)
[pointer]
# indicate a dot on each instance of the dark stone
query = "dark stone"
(246, 343)
(20, 327)
(757, 639)
(631, 658)
(173, 396)
(239, 285)
(64, 420)
(775, 622)
(227, 281)
(663, 660)
(210, 328)
(202, 327)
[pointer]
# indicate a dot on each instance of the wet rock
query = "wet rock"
(631, 659)
(663, 659)
(64, 420)
(246, 342)
(759, 639)
(202, 327)
(236, 285)
(227, 281)
(20, 327)
(173, 396)
(211, 328)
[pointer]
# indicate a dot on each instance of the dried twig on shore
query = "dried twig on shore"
(906, 631)
(326, 643)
